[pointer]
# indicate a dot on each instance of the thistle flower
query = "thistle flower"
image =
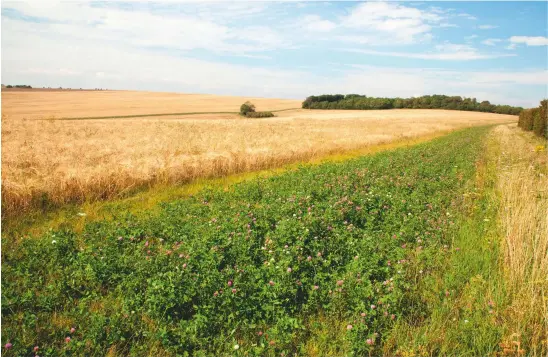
(8, 345)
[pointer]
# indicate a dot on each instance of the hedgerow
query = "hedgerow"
(259, 115)
(535, 119)
(246, 271)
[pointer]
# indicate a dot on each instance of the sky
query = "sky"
(496, 51)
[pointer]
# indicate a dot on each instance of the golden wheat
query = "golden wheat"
(523, 186)
(59, 161)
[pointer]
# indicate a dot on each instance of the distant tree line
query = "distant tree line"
(19, 86)
(356, 101)
(535, 119)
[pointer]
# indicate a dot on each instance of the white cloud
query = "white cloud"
(444, 52)
(138, 27)
(530, 41)
(467, 16)
(491, 41)
(316, 23)
(392, 22)
(447, 25)
(487, 27)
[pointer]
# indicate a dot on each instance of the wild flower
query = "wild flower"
(369, 341)
(349, 327)
(72, 330)
(67, 339)
(8, 345)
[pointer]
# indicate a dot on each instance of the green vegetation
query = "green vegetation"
(19, 86)
(248, 110)
(535, 119)
(260, 115)
(362, 102)
(323, 260)
(465, 295)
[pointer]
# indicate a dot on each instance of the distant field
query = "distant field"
(60, 161)
(36, 104)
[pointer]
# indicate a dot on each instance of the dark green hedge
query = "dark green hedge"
(535, 119)
(362, 102)
(259, 114)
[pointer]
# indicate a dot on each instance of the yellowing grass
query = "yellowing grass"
(52, 162)
(523, 185)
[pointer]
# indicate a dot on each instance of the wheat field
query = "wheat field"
(40, 104)
(54, 162)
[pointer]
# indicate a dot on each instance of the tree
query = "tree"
(247, 107)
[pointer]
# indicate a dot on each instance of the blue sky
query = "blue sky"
(489, 50)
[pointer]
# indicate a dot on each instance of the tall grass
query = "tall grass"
(523, 187)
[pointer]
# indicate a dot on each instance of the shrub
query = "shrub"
(259, 114)
(246, 108)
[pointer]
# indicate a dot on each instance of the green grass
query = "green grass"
(465, 296)
(158, 283)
